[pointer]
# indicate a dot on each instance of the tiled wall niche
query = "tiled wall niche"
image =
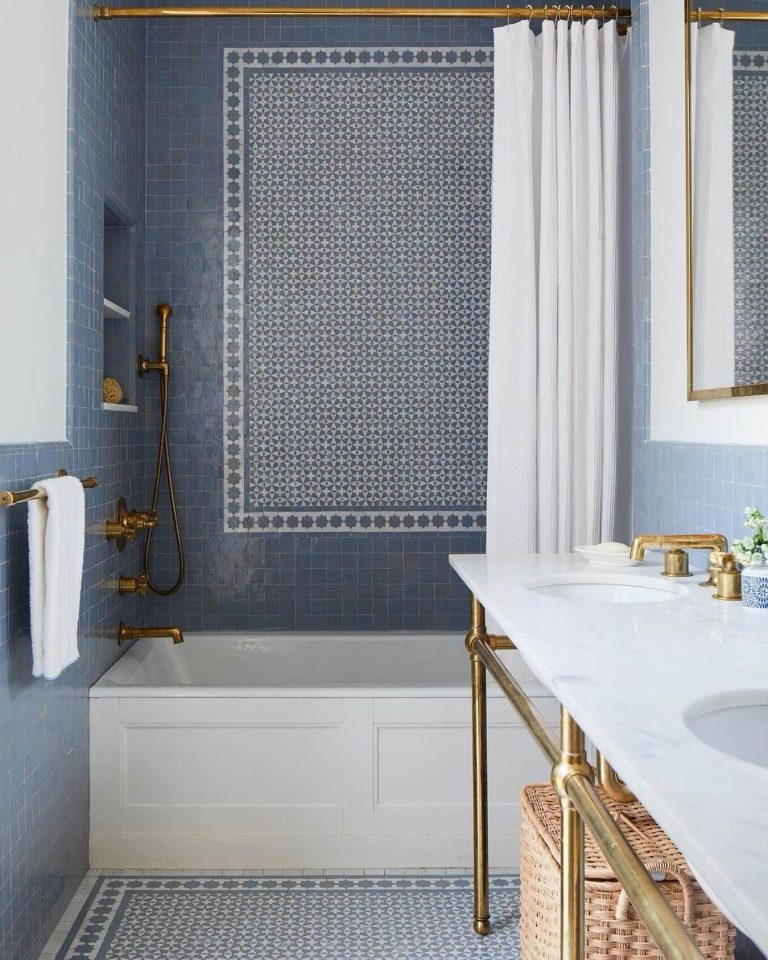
(44, 725)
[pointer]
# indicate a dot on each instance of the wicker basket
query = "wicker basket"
(612, 929)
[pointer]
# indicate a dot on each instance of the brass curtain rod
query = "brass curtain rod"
(723, 16)
(553, 12)
(8, 497)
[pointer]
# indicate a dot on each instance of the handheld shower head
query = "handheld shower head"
(164, 311)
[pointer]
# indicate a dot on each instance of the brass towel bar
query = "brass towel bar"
(548, 12)
(9, 497)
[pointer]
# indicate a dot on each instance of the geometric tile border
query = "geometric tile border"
(301, 918)
(330, 423)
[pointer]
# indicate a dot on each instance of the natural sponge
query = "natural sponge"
(113, 392)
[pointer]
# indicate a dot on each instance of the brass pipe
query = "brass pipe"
(124, 634)
(611, 784)
(477, 632)
(101, 12)
(572, 762)
(532, 718)
(671, 937)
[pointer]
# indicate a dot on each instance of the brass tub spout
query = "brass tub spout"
(124, 634)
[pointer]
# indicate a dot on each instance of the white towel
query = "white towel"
(56, 546)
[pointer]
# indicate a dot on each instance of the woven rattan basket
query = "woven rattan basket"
(612, 929)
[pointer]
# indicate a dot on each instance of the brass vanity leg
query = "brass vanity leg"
(573, 760)
(477, 630)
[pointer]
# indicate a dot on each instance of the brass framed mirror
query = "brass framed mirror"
(726, 117)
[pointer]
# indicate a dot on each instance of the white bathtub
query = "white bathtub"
(285, 750)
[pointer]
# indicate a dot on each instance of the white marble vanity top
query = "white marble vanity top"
(627, 672)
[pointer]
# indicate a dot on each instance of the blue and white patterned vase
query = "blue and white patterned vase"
(754, 586)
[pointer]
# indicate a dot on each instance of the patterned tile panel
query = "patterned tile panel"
(275, 918)
(357, 271)
(750, 215)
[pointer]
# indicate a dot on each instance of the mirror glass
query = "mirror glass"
(728, 215)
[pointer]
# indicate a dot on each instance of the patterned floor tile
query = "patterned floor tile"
(291, 918)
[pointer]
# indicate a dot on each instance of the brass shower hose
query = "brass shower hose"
(163, 456)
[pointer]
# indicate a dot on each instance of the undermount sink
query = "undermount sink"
(733, 723)
(607, 588)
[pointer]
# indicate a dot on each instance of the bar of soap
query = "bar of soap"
(611, 546)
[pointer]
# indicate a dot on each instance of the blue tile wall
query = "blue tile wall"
(680, 487)
(258, 581)
(44, 725)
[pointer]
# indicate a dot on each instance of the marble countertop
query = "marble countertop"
(627, 672)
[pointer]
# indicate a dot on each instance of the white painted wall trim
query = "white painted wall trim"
(673, 417)
(33, 221)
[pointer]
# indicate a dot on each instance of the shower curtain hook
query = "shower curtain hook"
(529, 7)
(722, 14)
(591, 9)
(507, 14)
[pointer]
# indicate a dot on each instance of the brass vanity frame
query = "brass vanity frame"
(580, 805)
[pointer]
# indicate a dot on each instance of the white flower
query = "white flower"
(755, 519)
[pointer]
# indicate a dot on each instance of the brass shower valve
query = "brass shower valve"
(119, 529)
(137, 584)
(142, 519)
(125, 525)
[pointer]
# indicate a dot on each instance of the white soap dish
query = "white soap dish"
(608, 555)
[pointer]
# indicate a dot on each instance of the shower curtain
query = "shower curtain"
(552, 412)
(712, 123)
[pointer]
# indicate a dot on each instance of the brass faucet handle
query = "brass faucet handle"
(138, 584)
(728, 580)
(715, 566)
(142, 519)
(119, 529)
(676, 563)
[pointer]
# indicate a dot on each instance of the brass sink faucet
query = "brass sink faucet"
(676, 545)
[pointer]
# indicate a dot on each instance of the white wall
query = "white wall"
(33, 220)
(740, 420)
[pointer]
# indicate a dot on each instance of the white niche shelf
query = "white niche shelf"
(113, 311)
(120, 407)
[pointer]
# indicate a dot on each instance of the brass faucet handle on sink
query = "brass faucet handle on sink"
(716, 559)
(676, 545)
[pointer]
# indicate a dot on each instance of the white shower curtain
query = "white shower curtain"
(552, 413)
(712, 122)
